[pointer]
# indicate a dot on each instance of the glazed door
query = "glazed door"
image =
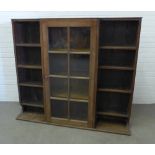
(69, 48)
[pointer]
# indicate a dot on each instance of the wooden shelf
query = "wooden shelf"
(33, 104)
(114, 114)
(28, 45)
(31, 84)
(119, 47)
(112, 127)
(114, 90)
(29, 66)
(116, 68)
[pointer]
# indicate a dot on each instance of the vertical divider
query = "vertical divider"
(44, 42)
(68, 53)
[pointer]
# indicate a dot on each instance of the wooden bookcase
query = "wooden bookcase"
(77, 72)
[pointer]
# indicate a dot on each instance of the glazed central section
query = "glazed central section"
(69, 58)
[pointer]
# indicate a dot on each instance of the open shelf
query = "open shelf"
(33, 104)
(30, 76)
(31, 95)
(115, 79)
(114, 114)
(118, 48)
(33, 109)
(116, 68)
(28, 45)
(31, 84)
(113, 102)
(117, 58)
(27, 32)
(30, 66)
(118, 33)
(114, 90)
(28, 56)
(113, 125)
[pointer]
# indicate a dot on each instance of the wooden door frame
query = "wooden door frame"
(93, 24)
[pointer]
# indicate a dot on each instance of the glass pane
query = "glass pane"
(80, 38)
(59, 108)
(79, 65)
(57, 38)
(79, 110)
(79, 89)
(59, 87)
(58, 64)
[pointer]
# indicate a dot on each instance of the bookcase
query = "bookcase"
(77, 72)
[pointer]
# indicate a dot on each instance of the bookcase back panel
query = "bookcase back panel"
(30, 109)
(31, 95)
(124, 58)
(27, 32)
(28, 55)
(30, 75)
(117, 33)
(112, 102)
(116, 79)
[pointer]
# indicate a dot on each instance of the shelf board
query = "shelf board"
(113, 127)
(116, 68)
(114, 114)
(31, 84)
(34, 117)
(114, 90)
(30, 66)
(28, 45)
(33, 104)
(119, 47)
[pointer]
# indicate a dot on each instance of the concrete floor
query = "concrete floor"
(14, 131)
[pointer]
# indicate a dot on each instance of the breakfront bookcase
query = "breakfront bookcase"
(77, 72)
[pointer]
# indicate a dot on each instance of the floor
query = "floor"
(14, 131)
